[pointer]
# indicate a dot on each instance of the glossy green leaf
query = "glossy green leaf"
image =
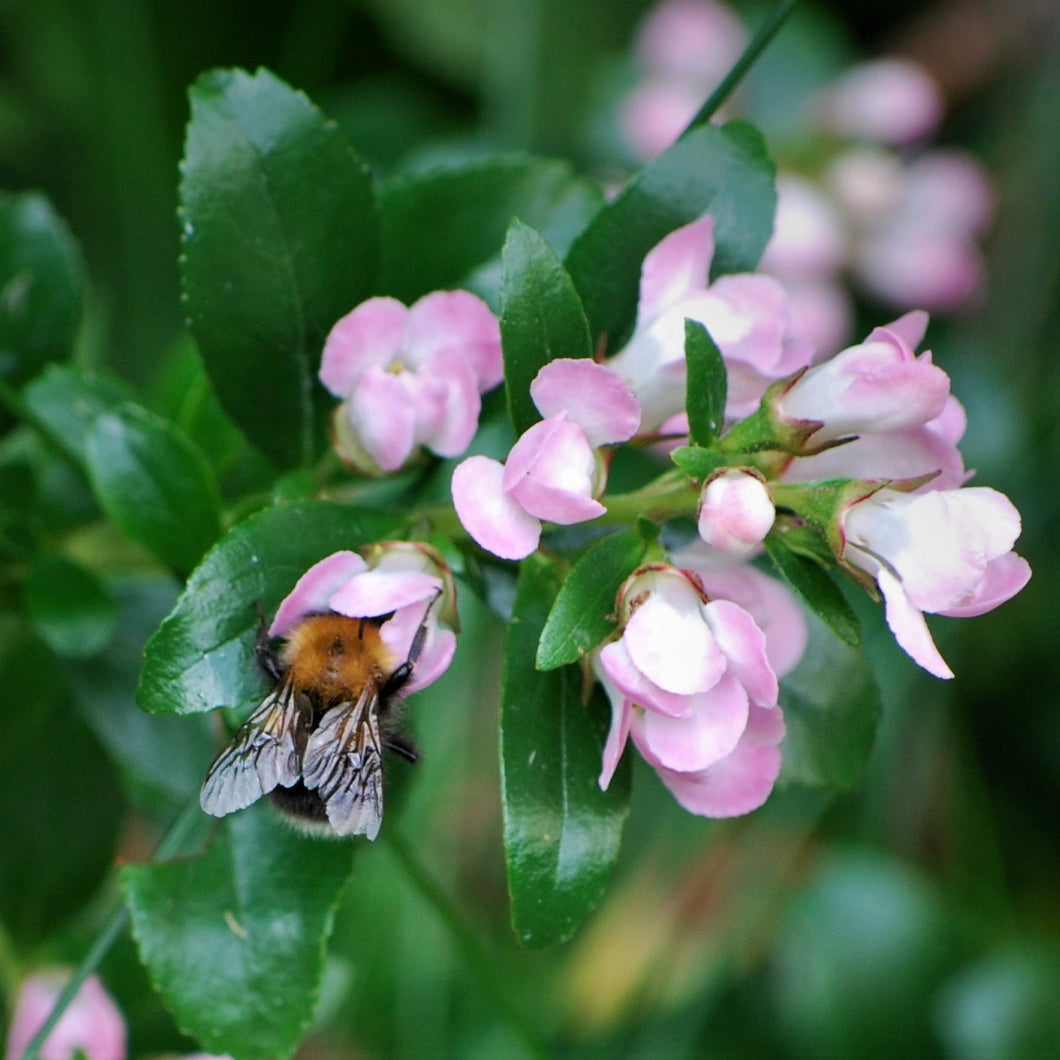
(831, 708)
(67, 401)
(721, 171)
(561, 832)
(707, 387)
(816, 588)
(440, 226)
(41, 286)
(202, 656)
(234, 940)
(280, 239)
(583, 614)
(69, 607)
(62, 805)
(154, 484)
(541, 317)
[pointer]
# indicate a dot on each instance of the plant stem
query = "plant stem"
(766, 32)
(474, 954)
(168, 845)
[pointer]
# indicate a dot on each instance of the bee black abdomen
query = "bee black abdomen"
(302, 807)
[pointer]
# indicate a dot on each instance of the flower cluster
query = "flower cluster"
(902, 227)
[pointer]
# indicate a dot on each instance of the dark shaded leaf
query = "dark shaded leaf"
(68, 606)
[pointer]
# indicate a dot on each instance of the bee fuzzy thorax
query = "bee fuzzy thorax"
(333, 654)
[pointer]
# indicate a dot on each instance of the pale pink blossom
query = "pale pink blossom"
(745, 314)
(410, 376)
(406, 580)
(946, 552)
(878, 385)
(735, 511)
(555, 471)
(690, 681)
(91, 1024)
(889, 101)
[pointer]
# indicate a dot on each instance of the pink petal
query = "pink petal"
(744, 647)
(747, 316)
(374, 592)
(671, 644)
(674, 268)
(550, 472)
(313, 591)
(460, 406)
(909, 627)
(592, 396)
(620, 670)
(383, 417)
(708, 732)
(461, 323)
(910, 327)
(741, 781)
(616, 736)
(493, 518)
(1004, 577)
(369, 336)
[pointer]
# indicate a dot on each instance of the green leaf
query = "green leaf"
(708, 385)
(41, 286)
(816, 588)
(440, 226)
(721, 171)
(280, 239)
(831, 707)
(234, 940)
(62, 805)
(561, 832)
(69, 607)
(541, 317)
(202, 656)
(583, 614)
(698, 463)
(67, 400)
(154, 484)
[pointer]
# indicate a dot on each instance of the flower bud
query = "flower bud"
(735, 511)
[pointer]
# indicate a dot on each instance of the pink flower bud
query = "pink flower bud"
(735, 511)
(91, 1023)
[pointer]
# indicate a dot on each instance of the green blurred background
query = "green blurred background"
(918, 915)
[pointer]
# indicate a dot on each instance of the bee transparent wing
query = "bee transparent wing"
(265, 753)
(343, 763)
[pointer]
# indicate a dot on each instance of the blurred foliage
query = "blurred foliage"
(916, 915)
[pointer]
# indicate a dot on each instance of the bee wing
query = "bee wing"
(265, 752)
(343, 762)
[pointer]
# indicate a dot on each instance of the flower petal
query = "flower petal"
(383, 415)
(674, 268)
(705, 734)
(616, 735)
(619, 668)
(741, 781)
(313, 591)
(379, 592)
(909, 626)
(592, 396)
(744, 646)
(1004, 577)
(460, 322)
(492, 517)
(368, 336)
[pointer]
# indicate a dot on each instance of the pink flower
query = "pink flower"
(91, 1023)
(746, 315)
(735, 511)
(410, 377)
(888, 101)
(407, 580)
(878, 385)
(947, 552)
(690, 681)
(553, 472)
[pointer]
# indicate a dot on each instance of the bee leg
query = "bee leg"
(402, 745)
(266, 657)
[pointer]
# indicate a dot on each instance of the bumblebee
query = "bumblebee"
(316, 742)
